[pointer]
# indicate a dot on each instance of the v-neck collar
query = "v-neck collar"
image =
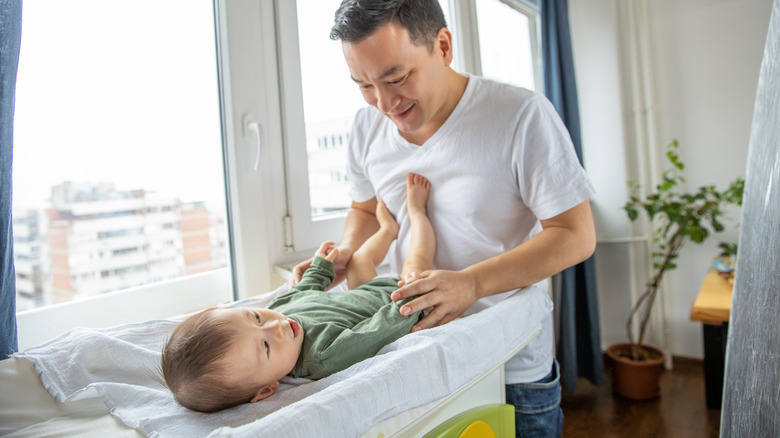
(446, 126)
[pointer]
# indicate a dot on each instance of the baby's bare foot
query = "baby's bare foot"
(386, 220)
(410, 278)
(417, 189)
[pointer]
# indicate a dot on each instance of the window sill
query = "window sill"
(156, 301)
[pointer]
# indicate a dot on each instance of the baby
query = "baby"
(220, 358)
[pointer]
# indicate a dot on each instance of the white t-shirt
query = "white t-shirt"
(500, 163)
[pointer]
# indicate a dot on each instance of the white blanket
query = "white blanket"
(121, 365)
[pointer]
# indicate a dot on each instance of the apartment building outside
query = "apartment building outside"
(326, 144)
(204, 238)
(99, 240)
(29, 259)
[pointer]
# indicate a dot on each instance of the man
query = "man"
(510, 205)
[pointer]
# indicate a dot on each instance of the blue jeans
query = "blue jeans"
(537, 404)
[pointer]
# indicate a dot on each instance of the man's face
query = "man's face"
(406, 82)
(266, 348)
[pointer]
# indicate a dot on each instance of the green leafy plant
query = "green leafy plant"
(677, 218)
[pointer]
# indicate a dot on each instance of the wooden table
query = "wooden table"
(712, 308)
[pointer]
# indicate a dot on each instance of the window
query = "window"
(498, 39)
(330, 101)
(320, 102)
(507, 43)
(117, 133)
(262, 120)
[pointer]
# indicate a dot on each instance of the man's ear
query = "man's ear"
(264, 392)
(444, 44)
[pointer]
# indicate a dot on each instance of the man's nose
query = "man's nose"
(385, 99)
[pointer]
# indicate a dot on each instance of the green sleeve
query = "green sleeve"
(365, 339)
(318, 277)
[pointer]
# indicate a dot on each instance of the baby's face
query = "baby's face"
(266, 348)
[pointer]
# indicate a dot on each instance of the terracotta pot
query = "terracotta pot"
(635, 379)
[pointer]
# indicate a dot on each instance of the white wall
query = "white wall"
(594, 35)
(704, 57)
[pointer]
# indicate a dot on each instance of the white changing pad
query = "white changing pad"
(120, 365)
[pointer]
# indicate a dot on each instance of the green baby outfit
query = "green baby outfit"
(341, 328)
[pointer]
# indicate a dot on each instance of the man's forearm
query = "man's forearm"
(359, 225)
(566, 240)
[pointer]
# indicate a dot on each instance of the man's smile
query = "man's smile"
(402, 114)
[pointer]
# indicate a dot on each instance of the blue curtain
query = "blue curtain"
(10, 40)
(579, 345)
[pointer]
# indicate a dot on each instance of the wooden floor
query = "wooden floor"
(680, 411)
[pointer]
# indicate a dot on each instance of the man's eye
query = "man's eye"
(399, 80)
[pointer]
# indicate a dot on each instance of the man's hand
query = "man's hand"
(340, 266)
(446, 294)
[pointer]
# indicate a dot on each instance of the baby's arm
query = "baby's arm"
(327, 251)
(320, 275)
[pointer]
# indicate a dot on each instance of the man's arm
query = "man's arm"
(359, 225)
(566, 239)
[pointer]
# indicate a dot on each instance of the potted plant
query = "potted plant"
(677, 218)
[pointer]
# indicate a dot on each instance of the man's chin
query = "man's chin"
(407, 128)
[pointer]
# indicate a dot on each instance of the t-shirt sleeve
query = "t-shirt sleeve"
(550, 177)
(360, 187)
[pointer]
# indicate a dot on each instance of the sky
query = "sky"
(101, 97)
(328, 90)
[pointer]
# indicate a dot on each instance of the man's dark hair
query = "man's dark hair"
(356, 20)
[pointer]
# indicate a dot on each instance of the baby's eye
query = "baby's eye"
(257, 317)
(267, 348)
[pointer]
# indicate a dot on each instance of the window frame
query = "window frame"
(303, 232)
(246, 33)
(154, 301)
(464, 17)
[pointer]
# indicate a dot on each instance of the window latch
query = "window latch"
(253, 131)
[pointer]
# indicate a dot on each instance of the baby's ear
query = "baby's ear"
(264, 392)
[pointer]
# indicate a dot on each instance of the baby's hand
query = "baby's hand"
(408, 278)
(327, 251)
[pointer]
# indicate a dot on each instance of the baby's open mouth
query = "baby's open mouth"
(296, 328)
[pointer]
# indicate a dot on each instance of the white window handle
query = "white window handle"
(250, 125)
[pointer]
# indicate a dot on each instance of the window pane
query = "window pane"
(505, 44)
(330, 101)
(118, 169)
(457, 63)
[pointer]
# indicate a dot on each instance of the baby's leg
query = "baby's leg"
(423, 239)
(362, 265)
